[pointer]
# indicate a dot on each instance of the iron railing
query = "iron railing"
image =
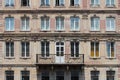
(63, 59)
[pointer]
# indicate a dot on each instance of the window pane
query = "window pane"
(9, 75)
(27, 49)
(23, 49)
(92, 49)
(25, 75)
(97, 49)
(12, 49)
(7, 49)
(112, 49)
(108, 49)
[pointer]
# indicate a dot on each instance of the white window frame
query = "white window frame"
(45, 51)
(110, 21)
(45, 24)
(110, 3)
(9, 3)
(25, 55)
(95, 50)
(25, 22)
(60, 48)
(95, 3)
(94, 22)
(9, 29)
(10, 55)
(110, 50)
(60, 26)
(75, 4)
(27, 4)
(59, 3)
(45, 3)
(74, 29)
(75, 49)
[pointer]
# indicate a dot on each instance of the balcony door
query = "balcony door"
(59, 52)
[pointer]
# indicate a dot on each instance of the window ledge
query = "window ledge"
(9, 31)
(110, 6)
(94, 5)
(24, 30)
(110, 31)
(44, 6)
(9, 6)
(45, 30)
(110, 58)
(94, 30)
(74, 30)
(25, 6)
(95, 58)
(9, 57)
(74, 57)
(59, 6)
(25, 57)
(45, 57)
(59, 30)
(74, 6)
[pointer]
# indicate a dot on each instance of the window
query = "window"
(45, 49)
(59, 23)
(110, 3)
(94, 49)
(94, 75)
(45, 76)
(9, 75)
(74, 2)
(74, 23)
(9, 24)
(110, 24)
(74, 75)
(95, 2)
(9, 2)
(25, 75)
(25, 49)
(59, 48)
(45, 3)
(9, 49)
(59, 2)
(45, 25)
(74, 49)
(110, 49)
(25, 2)
(25, 24)
(59, 75)
(95, 24)
(110, 75)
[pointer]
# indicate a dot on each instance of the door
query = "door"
(59, 52)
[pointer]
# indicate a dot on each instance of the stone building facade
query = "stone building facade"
(60, 39)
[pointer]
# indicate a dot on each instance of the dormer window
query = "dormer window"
(25, 3)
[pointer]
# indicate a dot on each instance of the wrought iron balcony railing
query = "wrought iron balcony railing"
(60, 59)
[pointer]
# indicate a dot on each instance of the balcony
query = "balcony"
(54, 59)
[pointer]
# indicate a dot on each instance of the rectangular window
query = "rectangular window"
(74, 75)
(25, 24)
(110, 24)
(59, 23)
(9, 75)
(95, 2)
(110, 3)
(75, 23)
(9, 2)
(25, 75)
(60, 48)
(25, 49)
(94, 49)
(94, 75)
(95, 24)
(9, 49)
(59, 75)
(74, 49)
(45, 76)
(9, 24)
(110, 49)
(74, 2)
(45, 24)
(45, 3)
(110, 75)
(25, 2)
(45, 49)
(59, 3)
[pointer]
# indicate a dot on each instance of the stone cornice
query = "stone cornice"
(59, 11)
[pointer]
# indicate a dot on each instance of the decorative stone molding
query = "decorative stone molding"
(34, 16)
